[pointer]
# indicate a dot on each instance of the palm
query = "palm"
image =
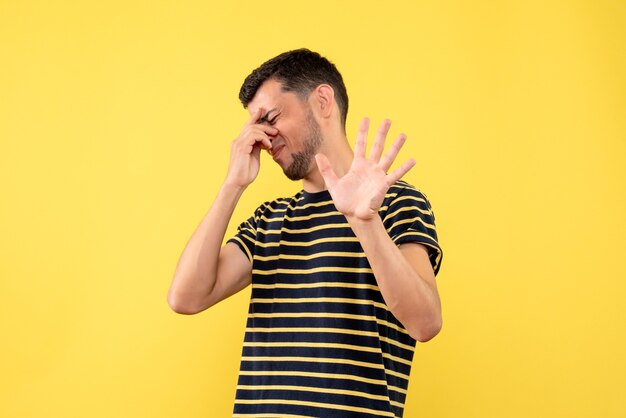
(360, 193)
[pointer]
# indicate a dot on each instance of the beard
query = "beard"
(301, 164)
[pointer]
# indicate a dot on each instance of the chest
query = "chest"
(307, 253)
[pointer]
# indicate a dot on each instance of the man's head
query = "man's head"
(302, 96)
(299, 71)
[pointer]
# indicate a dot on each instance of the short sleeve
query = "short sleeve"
(245, 237)
(410, 218)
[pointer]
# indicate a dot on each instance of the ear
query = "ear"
(323, 100)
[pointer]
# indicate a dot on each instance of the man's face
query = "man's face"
(299, 136)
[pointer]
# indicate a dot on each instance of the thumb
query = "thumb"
(326, 170)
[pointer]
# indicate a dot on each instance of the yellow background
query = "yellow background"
(115, 124)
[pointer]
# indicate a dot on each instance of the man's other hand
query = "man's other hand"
(360, 193)
(246, 149)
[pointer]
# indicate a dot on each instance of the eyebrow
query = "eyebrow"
(265, 117)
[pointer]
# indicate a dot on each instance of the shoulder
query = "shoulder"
(402, 193)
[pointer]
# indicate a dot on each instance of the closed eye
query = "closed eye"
(266, 117)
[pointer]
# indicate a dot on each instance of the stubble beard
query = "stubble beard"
(301, 164)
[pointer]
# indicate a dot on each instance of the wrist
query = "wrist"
(232, 188)
(360, 225)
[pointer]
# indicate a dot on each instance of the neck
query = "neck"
(340, 155)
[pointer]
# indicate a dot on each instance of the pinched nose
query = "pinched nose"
(272, 135)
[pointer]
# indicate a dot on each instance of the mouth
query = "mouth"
(275, 151)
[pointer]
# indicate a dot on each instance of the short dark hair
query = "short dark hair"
(299, 71)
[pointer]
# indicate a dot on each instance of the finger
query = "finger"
(256, 151)
(392, 153)
(269, 130)
(399, 172)
(254, 138)
(264, 143)
(255, 116)
(261, 133)
(326, 170)
(260, 138)
(379, 142)
(361, 139)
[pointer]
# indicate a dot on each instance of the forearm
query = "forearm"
(196, 272)
(411, 299)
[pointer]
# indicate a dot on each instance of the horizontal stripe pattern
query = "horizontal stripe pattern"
(320, 340)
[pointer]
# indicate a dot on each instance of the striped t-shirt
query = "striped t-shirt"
(320, 341)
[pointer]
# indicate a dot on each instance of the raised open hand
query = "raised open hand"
(360, 193)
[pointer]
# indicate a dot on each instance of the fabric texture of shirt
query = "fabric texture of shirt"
(319, 340)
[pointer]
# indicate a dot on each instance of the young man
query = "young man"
(342, 273)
